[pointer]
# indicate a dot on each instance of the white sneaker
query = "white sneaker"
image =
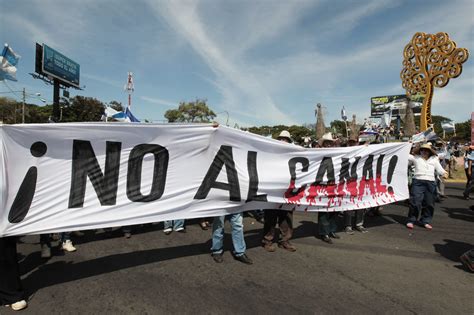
(68, 247)
(168, 231)
(180, 229)
(17, 306)
(45, 251)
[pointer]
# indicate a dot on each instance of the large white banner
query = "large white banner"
(66, 177)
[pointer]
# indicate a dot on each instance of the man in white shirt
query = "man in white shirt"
(423, 189)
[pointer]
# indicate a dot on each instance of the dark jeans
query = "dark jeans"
(285, 222)
(470, 184)
(422, 198)
(11, 290)
(359, 217)
(327, 222)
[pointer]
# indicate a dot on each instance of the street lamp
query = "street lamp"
(23, 105)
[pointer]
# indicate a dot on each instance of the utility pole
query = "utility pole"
(23, 109)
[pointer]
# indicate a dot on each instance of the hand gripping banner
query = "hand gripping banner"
(78, 176)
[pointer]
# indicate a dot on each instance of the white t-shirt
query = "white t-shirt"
(426, 169)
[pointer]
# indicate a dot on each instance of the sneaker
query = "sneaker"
(45, 251)
(410, 226)
(127, 234)
(287, 245)
(244, 259)
(326, 238)
(68, 247)
(349, 230)
(217, 257)
(18, 306)
(181, 230)
(428, 226)
(269, 247)
(168, 231)
(361, 229)
(334, 235)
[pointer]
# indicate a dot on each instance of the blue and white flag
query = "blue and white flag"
(10, 56)
(8, 61)
(119, 116)
(130, 116)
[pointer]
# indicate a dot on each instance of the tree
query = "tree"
(463, 130)
(82, 109)
(339, 126)
(9, 110)
(116, 105)
(196, 111)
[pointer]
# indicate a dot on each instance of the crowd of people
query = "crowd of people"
(429, 164)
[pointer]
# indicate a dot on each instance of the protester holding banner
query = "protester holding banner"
(174, 225)
(284, 219)
(11, 291)
(423, 188)
(327, 220)
(469, 169)
(238, 241)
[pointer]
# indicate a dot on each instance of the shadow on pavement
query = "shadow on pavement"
(452, 249)
(460, 214)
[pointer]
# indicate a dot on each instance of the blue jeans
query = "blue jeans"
(236, 222)
(175, 224)
(422, 199)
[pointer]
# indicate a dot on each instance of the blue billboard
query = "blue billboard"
(60, 67)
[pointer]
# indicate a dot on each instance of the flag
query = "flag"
(448, 126)
(426, 135)
(130, 116)
(343, 114)
(9, 60)
(119, 116)
(10, 56)
(386, 119)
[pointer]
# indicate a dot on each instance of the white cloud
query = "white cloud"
(158, 101)
(240, 91)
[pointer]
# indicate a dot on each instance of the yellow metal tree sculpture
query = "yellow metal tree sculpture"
(430, 61)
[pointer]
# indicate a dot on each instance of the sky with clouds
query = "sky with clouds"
(262, 61)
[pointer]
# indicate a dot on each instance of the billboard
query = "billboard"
(396, 103)
(60, 67)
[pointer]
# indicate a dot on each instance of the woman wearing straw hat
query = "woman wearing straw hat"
(423, 189)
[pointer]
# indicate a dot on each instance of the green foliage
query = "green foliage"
(82, 109)
(196, 111)
(338, 127)
(116, 105)
(297, 132)
(463, 130)
(10, 110)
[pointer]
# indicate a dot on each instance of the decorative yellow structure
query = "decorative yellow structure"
(430, 61)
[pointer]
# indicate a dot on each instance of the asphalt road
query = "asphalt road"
(388, 270)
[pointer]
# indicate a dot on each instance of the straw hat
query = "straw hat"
(326, 137)
(284, 134)
(426, 146)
